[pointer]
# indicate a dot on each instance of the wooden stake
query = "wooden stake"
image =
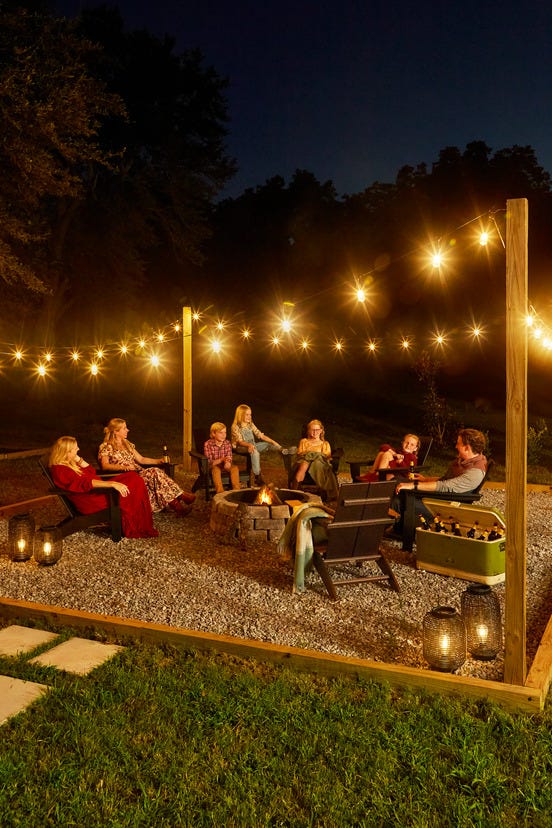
(515, 666)
(187, 388)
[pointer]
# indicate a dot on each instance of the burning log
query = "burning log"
(267, 495)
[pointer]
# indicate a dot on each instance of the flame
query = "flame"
(265, 496)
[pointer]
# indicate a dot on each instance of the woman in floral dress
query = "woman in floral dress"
(116, 453)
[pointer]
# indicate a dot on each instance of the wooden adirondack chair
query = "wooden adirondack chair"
(75, 522)
(425, 446)
(354, 535)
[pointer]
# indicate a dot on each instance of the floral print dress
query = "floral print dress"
(161, 488)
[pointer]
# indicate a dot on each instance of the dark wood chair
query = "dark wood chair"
(75, 522)
(426, 442)
(410, 498)
(204, 480)
(354, 535)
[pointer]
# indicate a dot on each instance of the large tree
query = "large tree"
(50, 110)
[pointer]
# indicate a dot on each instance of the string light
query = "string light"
(487, 228)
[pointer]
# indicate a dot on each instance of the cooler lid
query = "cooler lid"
(465, 513)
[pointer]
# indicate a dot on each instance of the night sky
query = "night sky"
(352, 90)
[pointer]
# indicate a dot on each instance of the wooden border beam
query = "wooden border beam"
(530, 700)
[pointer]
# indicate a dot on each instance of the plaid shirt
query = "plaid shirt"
(213, 451)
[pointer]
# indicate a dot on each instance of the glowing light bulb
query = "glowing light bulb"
(141, 343)
(94, 369)
(444, 644)
(305, 344)
(537, 333)
(99, 353)
(124, 349)
(75, 356)
(275, 340)
(286, 325)
(21, 544)
(41, 370)
(220, 326)
(405, 344)
(176, 327)
(371, 346)
(216, 346)
(338, 345)
(436, 260)
(155, 361)
(47, 548)
(160, 337)
(18, 354)
(483, 239)
(246, 333)
(48, 356)
(482, 633)
(195, 316)
(361, 295)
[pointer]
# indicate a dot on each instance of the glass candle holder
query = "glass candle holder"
(481, 613)
(444, 636)
(48, 545)
(20, 537)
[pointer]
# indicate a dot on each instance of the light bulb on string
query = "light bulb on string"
(371, 346)
(439, 339)
(246, 333)
(405, 343)
(304, 345)
(94, 369)
(74, 355)
(338, 346)
(154, 360)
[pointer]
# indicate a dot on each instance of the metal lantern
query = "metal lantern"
(48, 545)
(20, 537)
(444, 639)
(481, 614)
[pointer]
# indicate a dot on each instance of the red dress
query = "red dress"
(136, 514)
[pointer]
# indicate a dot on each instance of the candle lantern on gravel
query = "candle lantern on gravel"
(480, 610)
(20, 537)
(444, 639)
(48, 546)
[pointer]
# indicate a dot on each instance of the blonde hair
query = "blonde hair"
(215, 427)
(413, 437)
(239, 416)
(318, 423)
(114, 425)
(59, 451)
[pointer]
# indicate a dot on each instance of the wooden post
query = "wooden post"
(187, 388)
(515, 667)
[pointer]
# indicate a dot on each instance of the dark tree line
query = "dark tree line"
(112, 159)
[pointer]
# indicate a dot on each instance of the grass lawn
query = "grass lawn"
(163, 737)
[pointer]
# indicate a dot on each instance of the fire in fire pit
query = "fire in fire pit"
(267, 496)
(242, 514)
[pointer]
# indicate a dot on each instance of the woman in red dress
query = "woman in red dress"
(75, 475)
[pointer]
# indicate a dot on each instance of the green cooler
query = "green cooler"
(476, 560)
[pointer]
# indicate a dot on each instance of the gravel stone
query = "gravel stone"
(191, 577)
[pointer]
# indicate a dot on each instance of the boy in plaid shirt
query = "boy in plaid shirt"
(218, 451)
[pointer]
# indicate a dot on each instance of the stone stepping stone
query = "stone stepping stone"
(77, 655)
(15, 640)
(16, 695)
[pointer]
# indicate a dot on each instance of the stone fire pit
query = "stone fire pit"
(235, 513)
